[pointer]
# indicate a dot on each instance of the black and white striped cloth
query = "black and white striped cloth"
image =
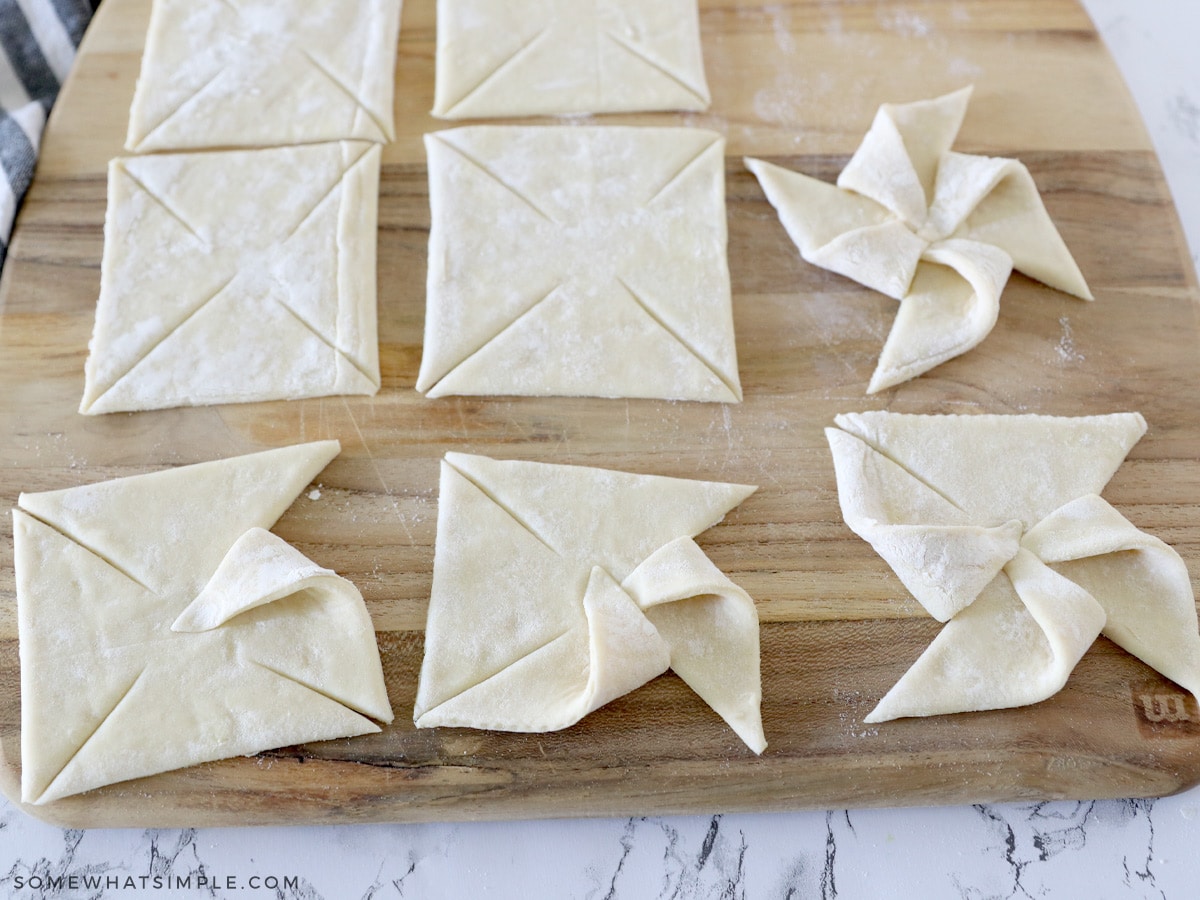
(38, 39)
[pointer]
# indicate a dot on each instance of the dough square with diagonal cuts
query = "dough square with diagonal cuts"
(583, 261)
(242, 73)
(161, 625)
(237, 276)
(546, 57)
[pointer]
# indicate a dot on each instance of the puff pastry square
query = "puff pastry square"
(586, 261)
(162, 626)
(996, 526)
(264, 73)
(237, 276)
(536, 57)
(559, 588)
(938, 230)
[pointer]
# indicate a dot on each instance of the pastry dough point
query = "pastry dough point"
(554, 592)
(586, 261)
(995, 525)
(937, 230)
(262, 73)
(539, 57)
(234, 277)
(161, 626)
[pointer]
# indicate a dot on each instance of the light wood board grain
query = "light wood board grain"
(796, 82)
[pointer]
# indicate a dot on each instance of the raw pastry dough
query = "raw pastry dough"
(237, 276)
(995, 525)
(558, 588)
(258, 73)
(938, 230)
(578, 261)
(161, 626)
(531, 57)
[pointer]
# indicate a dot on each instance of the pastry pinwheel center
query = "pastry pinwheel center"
(1022, 600)
(938, 230)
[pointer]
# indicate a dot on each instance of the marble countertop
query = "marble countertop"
(1109, 849)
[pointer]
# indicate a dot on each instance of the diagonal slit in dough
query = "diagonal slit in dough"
(646, 307)
(192, 98)
(362, 370)
(882, 451)
(84, 545)
(484, 679)
(371, 114)
(679, 174)
(191, 314)
(516, 56)
(100, 724)
(309, 686)
(166, 207)
(641, 54)
(496, 178)
(505, 507)
(337, 182)
(432, 389)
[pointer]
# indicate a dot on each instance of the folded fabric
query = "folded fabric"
(535, 57)
(559, 588)
(586, 261)
(162, 626)
(38, 39)
(263, 73)
(939, 231)
(995, 525)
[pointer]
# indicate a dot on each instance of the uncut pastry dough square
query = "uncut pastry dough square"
(535, 57)
(237, 276)
(583, 261)
(242, 73)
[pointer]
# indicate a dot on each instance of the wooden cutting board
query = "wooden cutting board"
(796, 82)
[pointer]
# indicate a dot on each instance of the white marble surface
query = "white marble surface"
(1106, 849)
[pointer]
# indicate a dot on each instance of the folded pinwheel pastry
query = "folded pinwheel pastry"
(994, 524)
(162, 626)
(938, 230)
(559, 588)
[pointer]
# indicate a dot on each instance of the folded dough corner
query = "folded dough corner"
(558, 588)
(995, 524)
(161, 625)
(938, 230)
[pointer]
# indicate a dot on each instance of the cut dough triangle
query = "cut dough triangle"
(558, 588)
(161, 626)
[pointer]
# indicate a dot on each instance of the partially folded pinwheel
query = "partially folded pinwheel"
(161, 626)
(559, 588)
(938, 230)
(995, 525)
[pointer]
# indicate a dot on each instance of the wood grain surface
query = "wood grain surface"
(796, 82)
